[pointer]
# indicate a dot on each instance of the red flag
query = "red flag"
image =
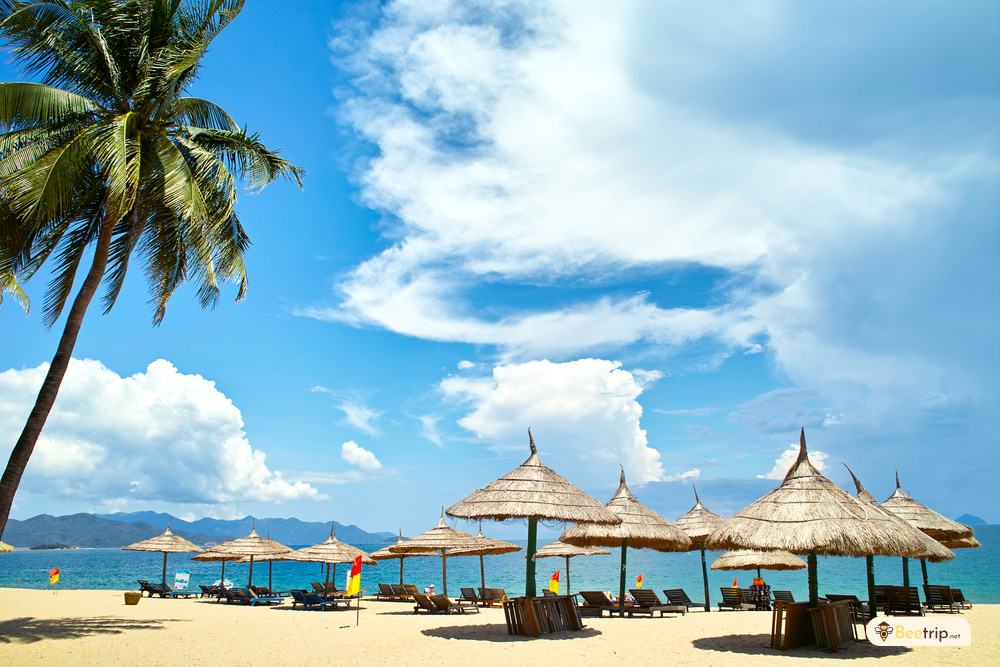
(354, 582)
(638, 582)
(554, 583)
(735, 585)
(54, 576)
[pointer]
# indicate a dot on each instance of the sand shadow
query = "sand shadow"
(497, 632)
(28, 630)
(761, 645)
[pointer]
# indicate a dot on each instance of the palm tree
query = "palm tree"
(105, 152)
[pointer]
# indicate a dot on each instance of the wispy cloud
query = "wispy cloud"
(693, 412)
(356, 455)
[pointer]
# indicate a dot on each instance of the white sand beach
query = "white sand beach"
(98, 628)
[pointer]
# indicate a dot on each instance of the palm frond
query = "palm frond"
(201, 113)
(9, 284)
(28, 105)
(247, 156)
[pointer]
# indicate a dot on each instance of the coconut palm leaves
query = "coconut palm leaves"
(106, 152)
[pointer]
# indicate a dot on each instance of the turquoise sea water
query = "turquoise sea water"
(975, 571)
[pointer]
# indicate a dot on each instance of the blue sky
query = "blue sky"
(662, 236)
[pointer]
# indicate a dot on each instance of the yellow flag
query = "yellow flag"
(54, 576)
(354, 583)
(554, 583)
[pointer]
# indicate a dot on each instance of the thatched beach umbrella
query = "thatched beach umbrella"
(535, 492)
(385, 554)
(253, 546)
(748, 559)
(935, 551)
(640, 528)
(921, 517)
(484, 546)
(167, 543)
(808, 514)
(4, 547)
(698, 524)
(963, 543)
(567, 551)
(330, 551)
(441, 538)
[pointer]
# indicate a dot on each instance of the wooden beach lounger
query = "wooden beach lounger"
(959, 598)
(447, 606)
(732, 598)
(385, 593)
(595, 603)
(904, 600)
(152, 589)
(399, 590)
(469, 595)
(783, 596)
(677, 596)
(939, 598)
(647, 602)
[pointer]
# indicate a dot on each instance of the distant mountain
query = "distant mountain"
(286, 531)
(971, 520)
(88, 530)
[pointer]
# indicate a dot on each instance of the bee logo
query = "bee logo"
(883, 630)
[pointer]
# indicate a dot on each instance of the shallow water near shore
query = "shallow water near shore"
(975, 571)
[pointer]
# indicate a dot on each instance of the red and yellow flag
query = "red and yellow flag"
(638, 581)
(54, 576)
(354, 582)
(554, 583)
(735, 585)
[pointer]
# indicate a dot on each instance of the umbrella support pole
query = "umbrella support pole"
(482, 572)
(567, 576)
(529, 571)
(923, 569)
(164, 567)
(444, 571)
(250, 583)
(621, 580)
(813, 581)
(401, 570)
(870, 566)
(906, 571)
(704, 577)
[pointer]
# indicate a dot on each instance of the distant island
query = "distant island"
(117, 530)
(971, 520)
(49, 547)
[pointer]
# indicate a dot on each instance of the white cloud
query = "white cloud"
(784, 463)
(360, 416)
(694, 473)
(429, 428)
(549, 144)
(584, 415)
(158, 435)
(356, 455)
(466, 365)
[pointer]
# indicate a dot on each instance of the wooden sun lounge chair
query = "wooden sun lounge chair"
(732, 598)
(939, 598)
(410, 590)
(469, 595)
(447, 606)
(677, 596)
(959, 598)
(315, 602)
(783, 596)
(647, 602)
(152, 589)
(265, 592)
(399, 590)
(595, 603)
(881, 599)
(385, 593)
(424, 604)
(256, 599)
(903, 600)
(492, 597)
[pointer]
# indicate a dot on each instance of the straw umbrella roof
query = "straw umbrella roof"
(807, 513)
(641, 526)
(484, 546)
(441, 537)
(748, 559)
(962, 543)
(532, 490)
(251, 545)
(165, 543)
(385, 554)
(564, 550)
(5, 547)
(919, 516)
(699, 522)
(936, 552)
(330, 550)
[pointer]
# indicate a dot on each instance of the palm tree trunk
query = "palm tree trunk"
(53, 379)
